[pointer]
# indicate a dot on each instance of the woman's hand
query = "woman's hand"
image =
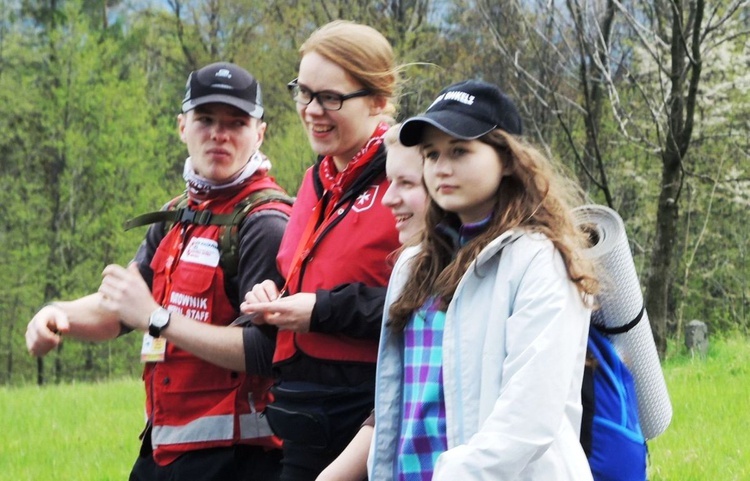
(290, 313)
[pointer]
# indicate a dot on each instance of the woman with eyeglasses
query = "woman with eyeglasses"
(334, 252)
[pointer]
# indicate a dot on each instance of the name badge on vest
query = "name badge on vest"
(153, 348)
(201, 251)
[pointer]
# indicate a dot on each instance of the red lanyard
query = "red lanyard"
(307, 240)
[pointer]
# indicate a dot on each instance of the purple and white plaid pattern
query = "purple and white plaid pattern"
(423, 433)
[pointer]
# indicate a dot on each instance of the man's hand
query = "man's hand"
(124, 292)
(45, 330)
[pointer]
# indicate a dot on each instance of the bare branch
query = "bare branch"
(643, 32)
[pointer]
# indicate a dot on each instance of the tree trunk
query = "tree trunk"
(659, 279)
(685, 74)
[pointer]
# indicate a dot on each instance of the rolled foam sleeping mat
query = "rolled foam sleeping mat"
(620, 305)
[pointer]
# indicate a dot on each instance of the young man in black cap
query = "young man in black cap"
(206, 384)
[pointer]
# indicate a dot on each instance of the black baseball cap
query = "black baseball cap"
(224, 83)
(466, 110)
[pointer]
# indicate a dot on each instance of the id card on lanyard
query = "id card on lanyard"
(154, 349)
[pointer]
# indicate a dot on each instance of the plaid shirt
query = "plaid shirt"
(423, 432)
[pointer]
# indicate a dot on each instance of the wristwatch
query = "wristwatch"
(158, 321)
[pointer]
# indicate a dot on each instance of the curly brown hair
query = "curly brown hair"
(533, 195)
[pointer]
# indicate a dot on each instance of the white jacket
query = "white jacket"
(514, 347)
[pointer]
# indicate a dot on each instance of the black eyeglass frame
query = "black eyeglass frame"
(294, 89)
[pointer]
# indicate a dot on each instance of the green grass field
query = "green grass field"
(70, 432)
(89, 432)
(709, 438)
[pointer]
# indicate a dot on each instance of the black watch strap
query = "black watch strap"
(158, 321)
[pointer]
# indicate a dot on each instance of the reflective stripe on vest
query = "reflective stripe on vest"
(212, 428)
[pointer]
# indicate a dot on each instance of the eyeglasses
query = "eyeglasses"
(328, 100)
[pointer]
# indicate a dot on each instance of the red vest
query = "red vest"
(193, 404)
(351, 246)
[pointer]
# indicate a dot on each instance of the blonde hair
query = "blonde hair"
(363, 52)
(390, 138)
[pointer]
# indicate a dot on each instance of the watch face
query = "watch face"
(159, 318)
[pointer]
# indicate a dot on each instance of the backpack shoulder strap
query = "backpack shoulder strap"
(171, 214)
(229, 245)
(179, 211)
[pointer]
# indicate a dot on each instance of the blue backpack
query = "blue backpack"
(610, 432)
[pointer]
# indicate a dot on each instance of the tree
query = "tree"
(77, 132)
(644, 62)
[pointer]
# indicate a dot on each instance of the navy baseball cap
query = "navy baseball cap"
(466, 110)
(224, 83)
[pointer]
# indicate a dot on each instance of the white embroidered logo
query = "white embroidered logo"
(224, 73)
(366, 199)
(456, 95)
(362, 199)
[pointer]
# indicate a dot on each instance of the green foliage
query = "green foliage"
(90, 92)
(287, 147)
(83, 129)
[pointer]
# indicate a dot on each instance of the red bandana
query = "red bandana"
(337, 182)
